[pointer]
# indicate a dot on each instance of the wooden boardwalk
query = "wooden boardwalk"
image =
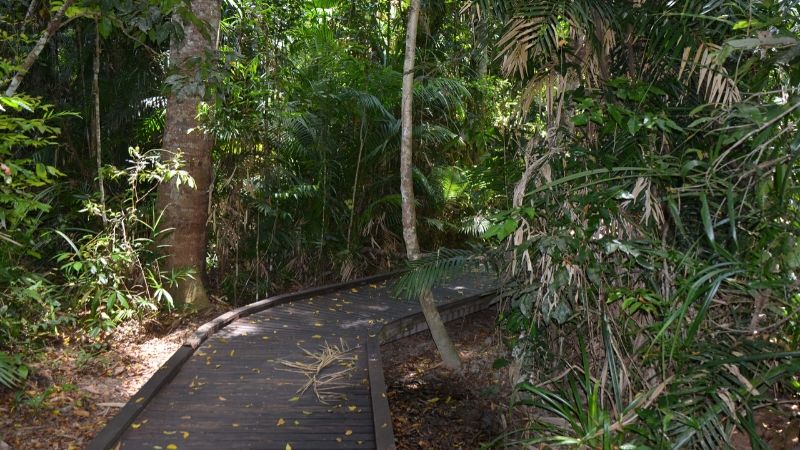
(230, 386)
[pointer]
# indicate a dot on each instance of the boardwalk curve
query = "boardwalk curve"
(229, 385)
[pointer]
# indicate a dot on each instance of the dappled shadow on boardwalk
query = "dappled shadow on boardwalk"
(237, 391)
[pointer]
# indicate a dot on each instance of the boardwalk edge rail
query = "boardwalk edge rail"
(384, 434)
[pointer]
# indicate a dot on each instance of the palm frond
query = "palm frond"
(718, 87)
(12, 370)
(435, 269)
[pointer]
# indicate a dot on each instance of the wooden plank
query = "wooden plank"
(381, 415)
(114, 429)
(244, 389)
(255, 442)
(204, 331)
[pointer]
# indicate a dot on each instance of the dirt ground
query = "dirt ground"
(778, 426)
(74, 391)
(433, 408)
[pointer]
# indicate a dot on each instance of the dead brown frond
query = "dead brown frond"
(327, 371)
(522, 36)
(713, 79)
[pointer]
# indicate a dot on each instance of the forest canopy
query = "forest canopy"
(627, 167)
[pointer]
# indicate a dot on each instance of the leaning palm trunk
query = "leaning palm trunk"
(186, 210)
(426, 300)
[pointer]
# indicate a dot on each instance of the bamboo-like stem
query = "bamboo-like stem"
(96, 121)
(355, 180)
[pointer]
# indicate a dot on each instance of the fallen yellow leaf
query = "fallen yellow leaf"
(185, 434)
(281, 422)
(352, 408)
(135, 425)
(288, 447)
(172, 447)
(348, 432)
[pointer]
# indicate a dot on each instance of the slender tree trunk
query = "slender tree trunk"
(27, 63)
(443, 343)
(96, 121)
(483, 63)
(186, 210)
(406, 137)
(355, 180)
(29, 13)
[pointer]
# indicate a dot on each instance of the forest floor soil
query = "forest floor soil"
(435, 408)
(75, 387)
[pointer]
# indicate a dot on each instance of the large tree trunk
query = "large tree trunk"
(432, 317)
(186, 210)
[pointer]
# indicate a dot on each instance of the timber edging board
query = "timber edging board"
(384, 434)
(415, 323)
(381, 415)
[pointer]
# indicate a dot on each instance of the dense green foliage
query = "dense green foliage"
(303, 103)
(628, 166)
(658, 224)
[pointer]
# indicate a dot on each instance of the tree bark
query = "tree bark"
(185, 211)
(96, 121)
(27, 63)
(443, 343)
(29, 13)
